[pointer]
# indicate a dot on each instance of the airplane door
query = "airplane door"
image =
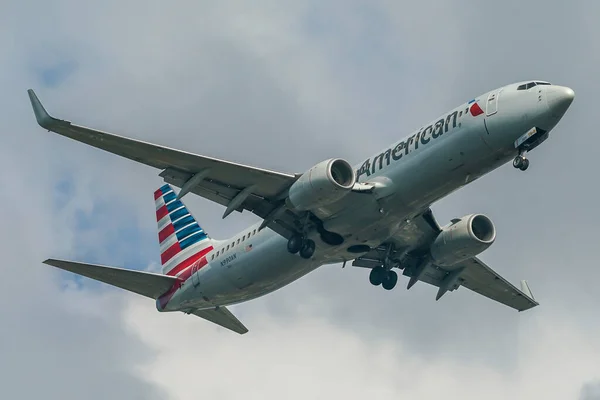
(491, 106)
(195, 279)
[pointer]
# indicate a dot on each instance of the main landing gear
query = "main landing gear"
(299, 243)
(381, 276)
(520, 162)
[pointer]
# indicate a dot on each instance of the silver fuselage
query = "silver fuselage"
(430, 163)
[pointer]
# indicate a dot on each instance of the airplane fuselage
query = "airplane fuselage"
(440, 157)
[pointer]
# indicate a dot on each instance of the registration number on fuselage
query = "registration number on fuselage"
(228, 260)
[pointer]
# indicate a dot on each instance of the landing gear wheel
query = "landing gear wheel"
(376, 276)
(295, 244)
(520, 162)
(390, 279)
(308, 249)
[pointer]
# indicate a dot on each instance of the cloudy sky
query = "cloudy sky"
(283, 85)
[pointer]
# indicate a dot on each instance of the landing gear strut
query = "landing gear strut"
(520, 162)
(298, 243)
(381, 276)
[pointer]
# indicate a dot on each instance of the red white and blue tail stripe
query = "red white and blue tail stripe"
(182, 240)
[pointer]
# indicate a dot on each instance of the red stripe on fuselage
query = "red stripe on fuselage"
(161, 212)
(170, 252)
(165, 233)
(185, 275)
(189, 261)
(164, 299)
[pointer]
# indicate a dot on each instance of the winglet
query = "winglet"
(41, 115)
(525, 289)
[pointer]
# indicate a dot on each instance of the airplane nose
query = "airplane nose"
(559, 99)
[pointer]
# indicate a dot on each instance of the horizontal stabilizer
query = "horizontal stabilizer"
(145, 283)
(222, 316)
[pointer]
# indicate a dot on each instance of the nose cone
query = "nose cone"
(559, 99)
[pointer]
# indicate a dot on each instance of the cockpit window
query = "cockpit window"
(529, 85)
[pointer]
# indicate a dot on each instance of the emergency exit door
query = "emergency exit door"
(491, 107)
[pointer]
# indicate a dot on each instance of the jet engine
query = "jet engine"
(323, 184)
(462, 239)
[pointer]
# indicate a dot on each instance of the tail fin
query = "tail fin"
(182, 240)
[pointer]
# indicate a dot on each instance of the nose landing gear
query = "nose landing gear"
(527, 142)
(520, 162)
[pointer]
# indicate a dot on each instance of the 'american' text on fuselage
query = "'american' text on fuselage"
(423, 137)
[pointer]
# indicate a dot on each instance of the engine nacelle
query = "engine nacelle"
(463, 239)
(323, 184)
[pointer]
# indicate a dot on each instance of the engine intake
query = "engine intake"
(323, 184)
(464, 238)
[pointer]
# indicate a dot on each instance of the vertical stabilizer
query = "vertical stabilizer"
(182, 241)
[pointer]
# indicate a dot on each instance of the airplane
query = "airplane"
(376, 213)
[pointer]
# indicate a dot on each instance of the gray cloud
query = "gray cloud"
(56, 342)
(590, 391)
(283, 87)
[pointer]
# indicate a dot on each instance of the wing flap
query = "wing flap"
(223, 317)
(145, 283)
(283, 224)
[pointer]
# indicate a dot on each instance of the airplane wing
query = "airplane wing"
(481, 279)
(145, 283)
(478, 277)
(222, 316)
(414, 240)
(235, 186)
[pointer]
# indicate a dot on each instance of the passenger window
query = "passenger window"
(243, 238)
(212, 257)
(232, 244)
(254, 233)
(238, 241)
(460, 114)
(227, 247)
(218, 252)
